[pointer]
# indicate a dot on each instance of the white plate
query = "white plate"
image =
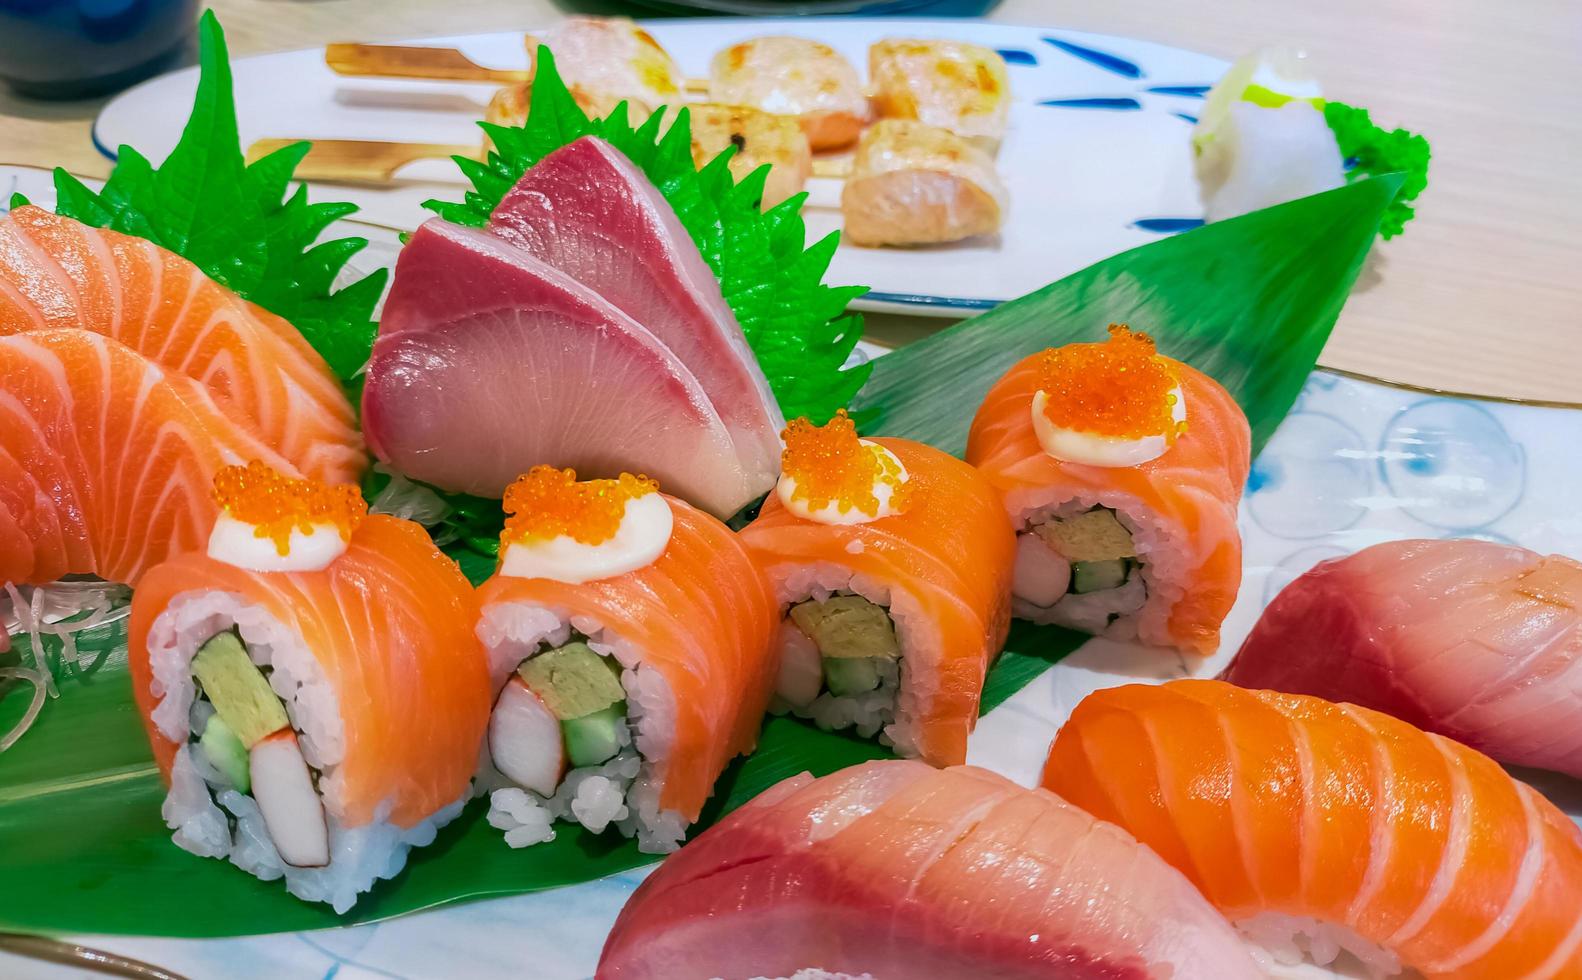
(1355, 463)
(1097, 157)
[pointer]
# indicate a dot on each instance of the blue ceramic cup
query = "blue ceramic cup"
(64, 49)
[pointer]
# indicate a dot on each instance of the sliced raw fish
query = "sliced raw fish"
(56, 272)
(897, 869)
(1471, 639)
(489, 362)
(107, 461)
(587, 211)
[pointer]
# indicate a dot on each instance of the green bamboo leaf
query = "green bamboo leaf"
(1250, 300)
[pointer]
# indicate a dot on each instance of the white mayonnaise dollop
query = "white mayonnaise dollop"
(238, 543)
(831, 513)
(1092, 449)
(645, 530)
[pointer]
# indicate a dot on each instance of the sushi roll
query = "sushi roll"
(895, 869)
(1320, 828)
(953, 85)
(1262, 139)
(1122, 470)
(310, 685)
(1475, 640)
(891, 562)
(916, 184)
(797, 77)
(629, 639)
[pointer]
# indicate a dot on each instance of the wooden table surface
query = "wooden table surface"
(1483, 294)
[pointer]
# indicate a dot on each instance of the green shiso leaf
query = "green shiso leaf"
(239, 223)
(1372, 150)
(798, 327)
(1249, 300)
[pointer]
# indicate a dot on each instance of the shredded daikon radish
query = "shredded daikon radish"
(34, 707)
(55, 610)
(412, 501)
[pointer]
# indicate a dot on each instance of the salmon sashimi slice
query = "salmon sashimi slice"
(942, 566)
(106, 459)
(693, 632)
(56, 272)
(1181, 505)
(1478, 641)
(897, 869)
(1299, 816)
(388, 624)
(587, 210)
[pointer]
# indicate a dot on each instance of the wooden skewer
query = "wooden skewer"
(361, 161)
(446, 64)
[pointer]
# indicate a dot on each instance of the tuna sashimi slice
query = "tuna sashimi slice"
(56, 272)
(107, 461)
(897, 869)
(1471, 639)
(489, 362)
(589, 212)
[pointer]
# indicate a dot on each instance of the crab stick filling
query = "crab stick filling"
(830, 476)
(578, 531)
(272, 523)
(1116, 403)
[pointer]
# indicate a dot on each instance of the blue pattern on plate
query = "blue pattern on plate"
(1115, 102)
(1184, 91)
(1016, 56)
(1167, 226)
(1188, 118)
(1109, 62)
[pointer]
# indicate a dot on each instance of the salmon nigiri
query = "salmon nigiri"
(1478, 641)
(1300, 817)
(892, 561)
(105, 459)
(895, 869)
(310, 685)
(56, 272)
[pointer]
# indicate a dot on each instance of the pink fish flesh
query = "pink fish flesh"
(897, 869)
(489, 362)
(1477, 641)
(589, 212)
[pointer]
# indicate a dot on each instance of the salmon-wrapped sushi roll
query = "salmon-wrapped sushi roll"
(954, 85)
(892, 561)
(630, 638)
(311, 686)
(915, 184)
(1122, 470)
(797, 77)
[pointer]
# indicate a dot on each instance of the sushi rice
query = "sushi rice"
(212, 819)
(1140, 606)
(891, 709)
(622, 791)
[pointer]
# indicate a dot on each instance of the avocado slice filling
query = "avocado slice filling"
(582, 689)
(238, 689)
(853, 636)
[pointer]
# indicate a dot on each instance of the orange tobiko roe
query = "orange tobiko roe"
(831, 465)
(546, 502)
(277, 505)
(1120, 387)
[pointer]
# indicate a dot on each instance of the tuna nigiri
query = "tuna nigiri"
(56, 272)
(1477, 641)
(106, 460)
(893, 561)
(1122, 470)
(631, 642)
(895, 869)
(1298, 817)
(310, 686)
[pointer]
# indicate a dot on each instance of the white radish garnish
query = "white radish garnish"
(1042, 575)
(525, 740)
(293, 812)
(801, 674)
